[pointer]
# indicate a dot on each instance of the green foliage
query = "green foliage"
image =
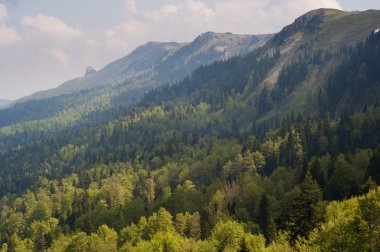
(228, 236)
(351, 225)
(188, 225)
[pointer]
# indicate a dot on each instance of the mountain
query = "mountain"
(306, 57)
(277, 139)
(124, 82)
(313, 41)
(158, 63)
(4, 102)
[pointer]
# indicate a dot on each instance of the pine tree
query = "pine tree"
(266, 220)
(374, 166)
(308, 209)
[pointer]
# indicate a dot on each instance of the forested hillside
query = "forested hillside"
(275, 150)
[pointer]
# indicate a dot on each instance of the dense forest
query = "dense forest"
(210, 193)
(204, 164)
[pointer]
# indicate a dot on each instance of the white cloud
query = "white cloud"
(127, 35)
(3, 12)
(174, 22)
(199, 8)
(91, 43)
(8, 35)
(52, 26)
(185, 20)
(264, 16)
(131, 8)
(59, 55)
(170, 9)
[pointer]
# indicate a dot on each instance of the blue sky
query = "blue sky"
(45, 42)
(359, 4)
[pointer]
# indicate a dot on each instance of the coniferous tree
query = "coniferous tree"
(266, 220)
(308, 209)
(374, 166)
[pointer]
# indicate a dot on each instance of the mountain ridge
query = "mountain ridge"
(313, 34)
(124, 81)
(146, 57)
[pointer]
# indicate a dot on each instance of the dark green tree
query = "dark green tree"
(374, 166)
(308, 209)
(266, 220)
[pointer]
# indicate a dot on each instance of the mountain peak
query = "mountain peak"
(90, 71)
(317, 12)
(204, 37)
(157, 44)
(307, 23)
(207, 36)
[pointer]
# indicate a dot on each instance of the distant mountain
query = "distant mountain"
(126, 80)
(4, 102)
(156, 63)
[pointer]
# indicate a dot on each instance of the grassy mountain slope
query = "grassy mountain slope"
(315, 40)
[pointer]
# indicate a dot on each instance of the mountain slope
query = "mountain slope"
(309, 52)
(317, 40)
(124, 81)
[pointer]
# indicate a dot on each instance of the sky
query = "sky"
(46, 42)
